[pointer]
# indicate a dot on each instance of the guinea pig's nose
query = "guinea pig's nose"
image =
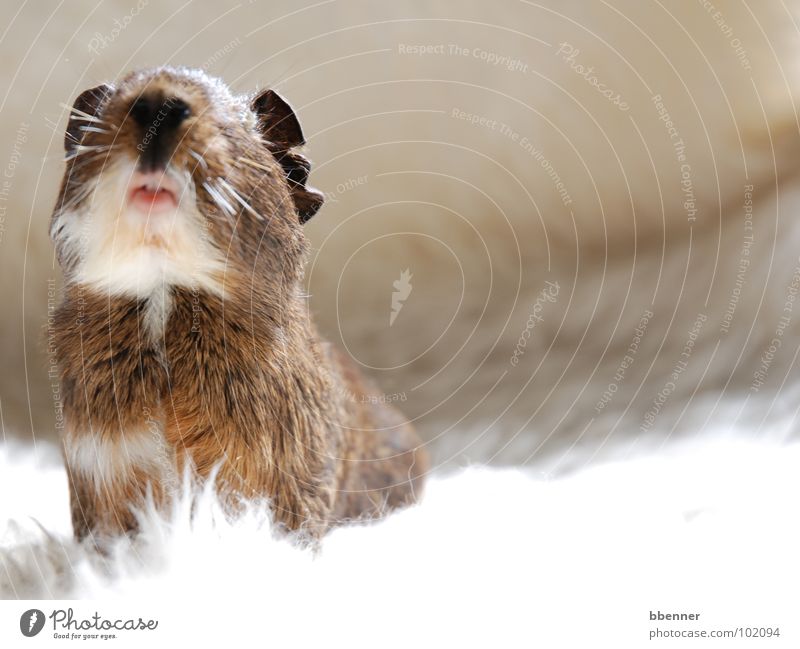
(154, 111)
(144, 110)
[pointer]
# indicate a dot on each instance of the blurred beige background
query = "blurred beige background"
(638, 156)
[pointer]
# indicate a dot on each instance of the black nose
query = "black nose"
(156, 112)
(158, 118)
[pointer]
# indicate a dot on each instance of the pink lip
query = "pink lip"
(152, 192)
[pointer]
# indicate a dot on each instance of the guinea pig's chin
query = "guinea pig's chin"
(152, 194)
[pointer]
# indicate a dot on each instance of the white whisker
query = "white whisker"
(219, 199)
(80, 116)
(94, 129)
(81, 149)
(199, 158)
(86, 189)
(225, 185)
(79, 113)
(255, 164)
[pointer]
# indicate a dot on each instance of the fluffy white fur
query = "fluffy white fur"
(498, 557)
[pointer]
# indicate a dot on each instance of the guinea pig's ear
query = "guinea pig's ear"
(276, 120)
(83, 110)
(281, 132)
(307, 200)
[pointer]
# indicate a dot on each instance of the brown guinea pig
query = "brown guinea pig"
(184, 339)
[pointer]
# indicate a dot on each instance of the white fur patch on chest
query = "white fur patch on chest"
(111, 247)
(109, 462)
(156, 312)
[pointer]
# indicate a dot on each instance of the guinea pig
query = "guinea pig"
(183, 340)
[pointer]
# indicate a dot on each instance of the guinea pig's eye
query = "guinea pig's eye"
(179, 110)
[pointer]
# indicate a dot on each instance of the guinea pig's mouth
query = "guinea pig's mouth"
(153, 192)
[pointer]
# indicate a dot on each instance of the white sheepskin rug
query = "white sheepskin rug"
(492, 557)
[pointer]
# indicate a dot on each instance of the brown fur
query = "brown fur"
(239, 379)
